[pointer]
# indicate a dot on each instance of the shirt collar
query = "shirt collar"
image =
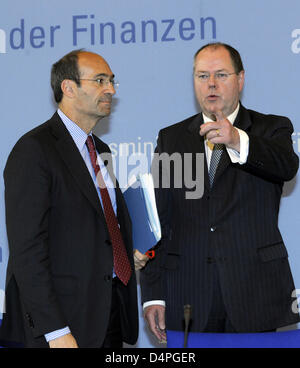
(231, 117)
(79, 136)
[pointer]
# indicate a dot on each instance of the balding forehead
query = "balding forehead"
(87, 55)
(91, 64)
(211, 49)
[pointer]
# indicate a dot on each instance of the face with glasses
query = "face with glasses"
(97, 86)
(217, 85)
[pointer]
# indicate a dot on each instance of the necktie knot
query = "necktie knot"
(90, 144)
(93, 154)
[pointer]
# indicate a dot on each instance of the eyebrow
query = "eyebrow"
(104, 75)
(217, 71)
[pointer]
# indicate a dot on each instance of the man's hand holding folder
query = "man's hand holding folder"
(146, 231)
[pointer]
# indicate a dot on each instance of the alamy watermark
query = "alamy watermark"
(295, 304)
(177, 170)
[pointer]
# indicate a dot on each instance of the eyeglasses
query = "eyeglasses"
(103, 82)
(220, 76)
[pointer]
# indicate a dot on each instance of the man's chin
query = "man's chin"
(105, 112)
(212, 110)
(210, 113)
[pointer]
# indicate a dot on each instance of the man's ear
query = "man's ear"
(68, 87)
(241, 80)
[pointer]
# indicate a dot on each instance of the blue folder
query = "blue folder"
(144, 237)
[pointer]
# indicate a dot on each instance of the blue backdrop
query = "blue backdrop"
(149, 46)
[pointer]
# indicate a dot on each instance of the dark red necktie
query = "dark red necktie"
(121, 262)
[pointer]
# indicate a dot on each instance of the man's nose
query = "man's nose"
(212, 80)
(109, 88)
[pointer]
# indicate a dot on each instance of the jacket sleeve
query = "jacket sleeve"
(28, 204)
(271, 154)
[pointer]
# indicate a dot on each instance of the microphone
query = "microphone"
(187, 312)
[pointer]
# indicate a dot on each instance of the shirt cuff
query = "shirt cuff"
(154, 302)
(240, 157)
(56, 334)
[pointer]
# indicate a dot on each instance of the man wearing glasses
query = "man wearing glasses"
(70, 277)
(223, 253)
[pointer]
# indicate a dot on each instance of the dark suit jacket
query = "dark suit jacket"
(60, 263)
(233, 227)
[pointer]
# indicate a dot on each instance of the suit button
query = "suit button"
(107, 278)
(213, 229)
(210, 260)
(108, 242)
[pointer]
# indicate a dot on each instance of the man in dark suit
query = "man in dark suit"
(222, 253)
(70, 277)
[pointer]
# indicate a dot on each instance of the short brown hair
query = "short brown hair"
(65, 68)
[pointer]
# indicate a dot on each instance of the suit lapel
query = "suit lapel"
(105, 155)
(74, 162)
(243, 120)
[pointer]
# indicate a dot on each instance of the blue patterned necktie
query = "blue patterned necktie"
(214, 161)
